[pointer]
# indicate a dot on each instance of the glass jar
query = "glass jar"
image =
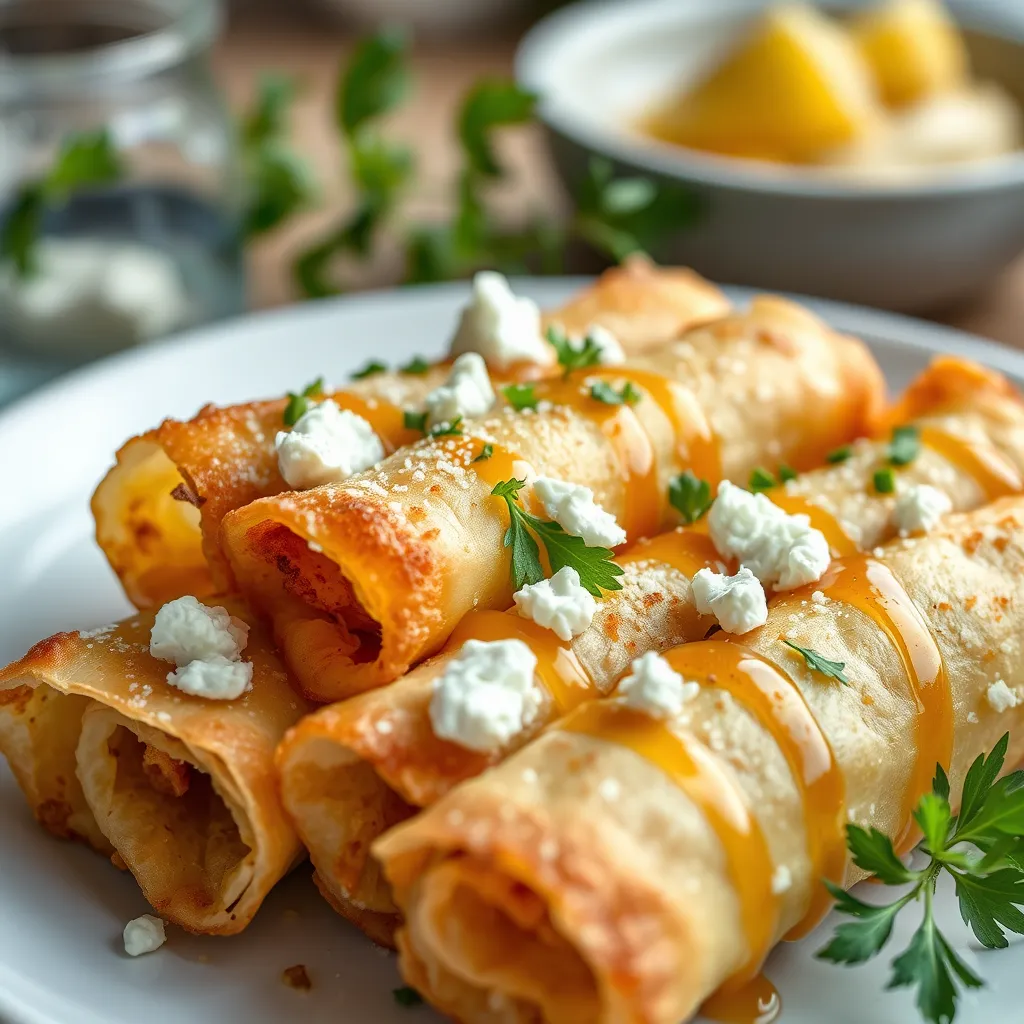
(157, 248)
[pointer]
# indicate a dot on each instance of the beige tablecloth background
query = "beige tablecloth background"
(310, 48)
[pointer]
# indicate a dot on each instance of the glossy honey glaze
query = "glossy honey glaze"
(772, 697)
(685, 549)
(839, 543)
(387, 419)
(560, 671)
(994, 473)
(756, 1002)
(499, 465)
(698, 773)
(871, 587)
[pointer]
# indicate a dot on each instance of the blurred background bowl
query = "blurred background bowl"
(908, 245)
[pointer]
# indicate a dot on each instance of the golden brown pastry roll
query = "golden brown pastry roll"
(178, 788)
(364, 578)
(355, 768)
(158, 511)
(653, 846)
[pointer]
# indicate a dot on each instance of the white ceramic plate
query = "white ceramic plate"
(62, 908)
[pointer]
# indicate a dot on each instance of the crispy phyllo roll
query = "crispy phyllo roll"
(356, 768)
(653, 846)
(177, 787)
(364, 578)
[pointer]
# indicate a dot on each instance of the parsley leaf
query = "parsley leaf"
(375, 81)
(492, 103)
(904, 446)
(520, 396)
(485, 453)
(690, 496)
(371, 369)
(818, 663)
(413, 420)
(446, 429)
(838, 455)
(417, 365)
(762, 480)
(602, 391)
(569, 356)
(787, 473)
(407, 996)
(884, 480)
(990, 889)
(298, 404)
(596, 569)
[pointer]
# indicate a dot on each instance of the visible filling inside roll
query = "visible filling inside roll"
(168, 822)
(343, 806)
(491, 933)
(323, 610)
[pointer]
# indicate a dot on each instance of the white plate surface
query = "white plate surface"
(62, 908)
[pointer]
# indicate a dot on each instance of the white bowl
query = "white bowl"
(908, 245)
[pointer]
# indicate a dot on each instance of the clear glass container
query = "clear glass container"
(154, 251)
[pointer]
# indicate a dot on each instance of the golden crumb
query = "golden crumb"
(297, 977)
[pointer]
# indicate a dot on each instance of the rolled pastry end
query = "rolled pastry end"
(350, 611)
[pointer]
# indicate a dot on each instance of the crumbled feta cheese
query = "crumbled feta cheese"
(574, 509)
(780, 549)
(972, 717)
(609, 789)
(655, 688)
(1001, 698)
(213, 678)
(486, 695)
(612, 353)
(326, 445)
(467, 392)
(186, 630)
(919, 509)
(561, 604)
(144, 935)
(782, 880)
(501, 326)
(737, 602)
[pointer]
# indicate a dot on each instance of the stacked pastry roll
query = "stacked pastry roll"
(356, 768)
(364, 578)
(158, 511)
(652, 846)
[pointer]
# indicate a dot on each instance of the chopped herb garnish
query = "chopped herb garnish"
(690, 496)
(569, 356)
(520, 396)
(885, 480)
(298, 404)
(904, 446)
(818, 663)
(762, 480)
(371, 369)
(452, 429)
(596, 569)
(981, 848)
(838, 455)
(787, 473)
(406, 996)
(417, 365)
(415, 420)
(602, 391)
(485, 453)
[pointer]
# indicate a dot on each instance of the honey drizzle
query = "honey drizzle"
(839, 542)
(502, 464)
(560, 670)
(992, 471)
(772, 697)
(871, 587)
(696, 771)
(386, 418)
(686, 550)
(756, 1002)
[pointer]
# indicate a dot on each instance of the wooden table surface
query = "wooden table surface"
(311, 49)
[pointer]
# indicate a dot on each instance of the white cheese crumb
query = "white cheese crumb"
(780, 549)
(144, 935)
(326, 445)
(611, 352)
(737, 602)
(819, 597)
(486, 695)
(214, 678)
(574, 509)
(561, 604)
(919, 509)
(609, 789)
(782, 880)
(529, 776)
(1001, 698)
(186, 630)
(972, 717)
(466, 392)
(655, 688)
(501, 326)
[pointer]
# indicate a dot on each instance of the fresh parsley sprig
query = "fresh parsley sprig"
(690, 496)
(370, 369)
(602, 391)
(570, 356)
(298, 404)
(596, 569)
(980, 848)
(819, 663)
(521, 396)
(904, 446)
(762, 479)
